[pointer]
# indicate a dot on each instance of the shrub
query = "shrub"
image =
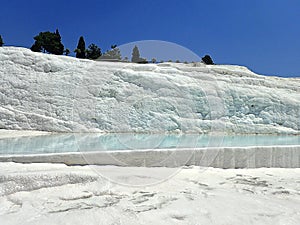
(207, 60)
(142, 61)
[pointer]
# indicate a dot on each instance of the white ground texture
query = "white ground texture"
(58, 194)
(57, 93)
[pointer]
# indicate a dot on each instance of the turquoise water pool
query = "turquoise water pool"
(59, 143)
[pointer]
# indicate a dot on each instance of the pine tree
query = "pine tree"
(80, 50)
(36, 47)
(135, 55)
(1, 41)
(48, 42)
(57, 48)
(93, 52)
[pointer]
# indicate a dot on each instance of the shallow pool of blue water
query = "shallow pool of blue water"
(61, 143)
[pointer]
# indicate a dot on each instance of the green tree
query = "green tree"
(37, 47)
(135, 55)
(207, 60)
(114, 53)
(153, 60)
(57, 48)
(80, 50)
(93, 52)
(67, 51)
(48, 42)
(1, 41)
(42, 42)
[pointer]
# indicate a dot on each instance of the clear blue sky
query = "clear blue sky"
(263, 35)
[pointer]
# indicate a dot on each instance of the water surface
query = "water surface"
(58, 143)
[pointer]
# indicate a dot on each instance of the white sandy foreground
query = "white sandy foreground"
(58, 194)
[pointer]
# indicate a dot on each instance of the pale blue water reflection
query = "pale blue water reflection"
(58, 143)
